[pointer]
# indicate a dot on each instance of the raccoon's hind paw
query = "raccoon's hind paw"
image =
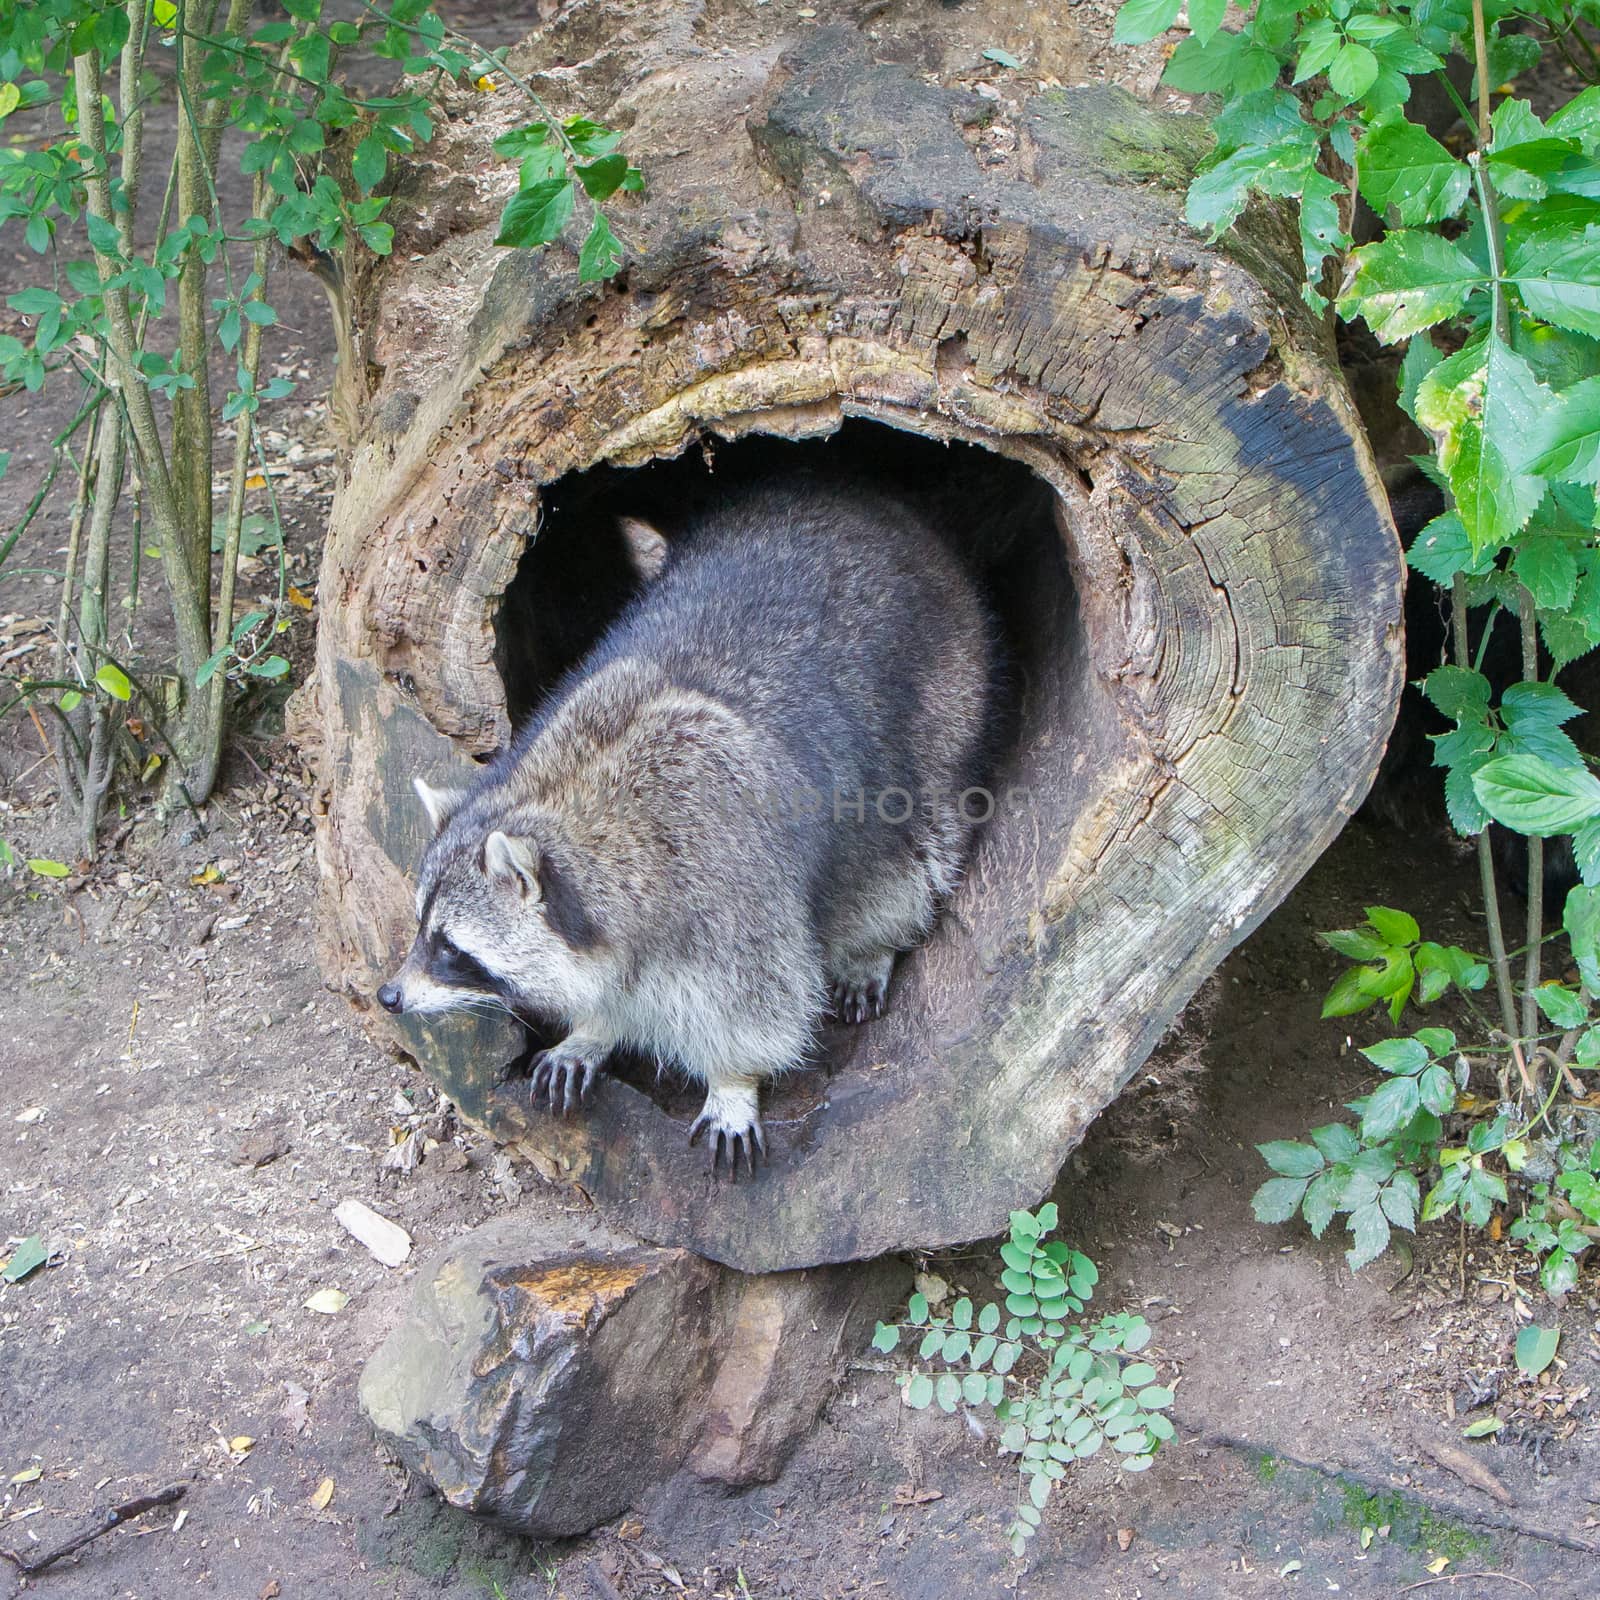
(733, 1121)
(863, 1001)
(565, 1078)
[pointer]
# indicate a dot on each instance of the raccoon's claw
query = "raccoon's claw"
(565, 1082)
(860, 1002)
(730, 1142)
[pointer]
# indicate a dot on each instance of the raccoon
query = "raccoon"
(748, 798)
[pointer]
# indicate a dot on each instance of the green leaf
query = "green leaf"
(1405, 167)
(1564, 440)
(1536, 1349)
(1353, 71)
(1278, 1199)
(1218, 194)
(1406, 282)
(536, 215)
(601, 254)
(917, 1310)
(1140, 21)
(270, 667)
(591, 139)
(885, 1338)
(1460, 693)
(1558, 277)
(1530, 795)
(1404, 1056)
(519, 142)
(989, 1318)
(28, 1257)
(370, 163)
(1389, 1108)
(1356, 943)
(1336, 1141)
(601, 179)
(1369, 1227)
(1580, 917)
(114, 681)
(1205, 17)
(1483, 1427)
(1348, 995)
(47, 868)
(1394, 927)
(919, 1391)
(961, 1313)
(1479, 404)
(932, 1344)
(1291, 1159)
(947, 1391)
(1548, 568)
(1561, 1005)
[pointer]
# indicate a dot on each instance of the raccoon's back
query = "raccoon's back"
(835, 620)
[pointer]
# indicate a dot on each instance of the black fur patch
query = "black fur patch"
(449, 964)
(563, 909)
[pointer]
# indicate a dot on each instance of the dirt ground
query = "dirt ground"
(182, 1105)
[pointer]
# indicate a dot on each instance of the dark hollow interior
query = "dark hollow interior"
(575, 578)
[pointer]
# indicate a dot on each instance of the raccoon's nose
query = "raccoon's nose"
(389, 997)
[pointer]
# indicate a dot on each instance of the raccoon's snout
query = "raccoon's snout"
(389, 997)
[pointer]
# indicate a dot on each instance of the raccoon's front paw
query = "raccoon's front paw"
(565, 1075)
(732, 1118)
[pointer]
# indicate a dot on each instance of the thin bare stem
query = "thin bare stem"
(122, 373)
(1491, 899)
(1530, 979)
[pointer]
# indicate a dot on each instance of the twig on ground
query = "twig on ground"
(110, 1519)
(1505, 1577)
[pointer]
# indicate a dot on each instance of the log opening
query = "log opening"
(1009, 525)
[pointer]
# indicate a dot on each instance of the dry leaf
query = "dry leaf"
(32, 1114)
(1436, 1567)
(906, 1494)
(28, 1475)
(932, 1288)
(270, 1590)
(298, 597)
(181, 1518)
(330, 1302)
(240, 1444)
(323, 1497)
(255, 481)
(1124, 1538)
(387, 1240)
(1470, 1470)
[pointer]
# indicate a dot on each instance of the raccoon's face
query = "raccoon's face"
(500, 921)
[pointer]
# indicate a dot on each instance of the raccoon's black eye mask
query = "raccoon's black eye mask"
(448, 963)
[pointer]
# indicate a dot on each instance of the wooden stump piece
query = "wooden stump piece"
(829, 238)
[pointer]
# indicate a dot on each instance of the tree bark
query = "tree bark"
(826, 236)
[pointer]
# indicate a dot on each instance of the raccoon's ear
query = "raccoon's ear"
(440, 804)
(647, 550)
(512, 863)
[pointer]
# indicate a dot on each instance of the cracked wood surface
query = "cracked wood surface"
(820, 240)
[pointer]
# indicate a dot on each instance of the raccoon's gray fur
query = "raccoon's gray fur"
(700, 834)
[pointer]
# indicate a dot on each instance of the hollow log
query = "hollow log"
(1209, 629)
